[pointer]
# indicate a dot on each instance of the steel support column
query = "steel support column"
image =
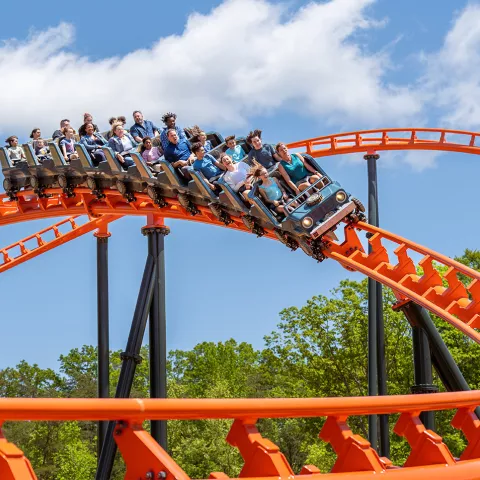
(156, 232)
(103, 352)
(442, 359)
(130, 359)
(377, 381)
(422, 360)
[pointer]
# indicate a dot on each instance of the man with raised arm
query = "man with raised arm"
(142, 128)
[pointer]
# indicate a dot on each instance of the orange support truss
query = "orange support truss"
(445, 296)
(42, 245)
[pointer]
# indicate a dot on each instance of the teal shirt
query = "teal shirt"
(236, 153)
(272, 191)
(295, 170)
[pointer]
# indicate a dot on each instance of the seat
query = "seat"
(142, 167)
(201, 185)
(172, 176)
(216, 139)
(5, 159)
(84, 156)
(32, 159)
(313, 163)
(112, 160)
(229, 196)
(57, 155)
(259, 207)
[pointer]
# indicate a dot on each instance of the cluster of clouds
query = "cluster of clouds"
(310, 60)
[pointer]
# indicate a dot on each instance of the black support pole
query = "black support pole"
(103, 359)
(422, 360)
(442, 359)
(158, 327)
(130, 359)
(377, 380)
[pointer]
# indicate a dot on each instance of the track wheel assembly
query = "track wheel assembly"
(154, 194)
(187, 204)
(220, 214)
(286, 239)
(253, 226)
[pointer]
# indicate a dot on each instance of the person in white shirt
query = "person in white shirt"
(237, 175)
(15, 151)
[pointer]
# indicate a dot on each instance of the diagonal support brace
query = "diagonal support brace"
(143, 456)
(427, 447)
(13, 464)
(354, 453)
(261, 456)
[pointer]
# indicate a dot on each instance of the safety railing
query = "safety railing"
(445, 295)
(390, 139)
(144, 458)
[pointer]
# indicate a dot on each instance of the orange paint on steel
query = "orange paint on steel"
(355, 142)
(243, 409)
(114, 204)
(427, 290)
(43, 245)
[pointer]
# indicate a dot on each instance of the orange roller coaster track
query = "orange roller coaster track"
(420, 282)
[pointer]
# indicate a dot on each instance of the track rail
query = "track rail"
(144, 458)
(391, 139)
(42, 245)
(418, 281)
(456, 304)
(445, 296)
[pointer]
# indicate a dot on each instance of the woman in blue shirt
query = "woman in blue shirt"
(297, 172)
(270, 189)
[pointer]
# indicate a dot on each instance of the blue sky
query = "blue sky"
(295, 71)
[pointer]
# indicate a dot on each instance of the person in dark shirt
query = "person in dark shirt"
(170, 119)
(207, 165)
(142, 128)
(265, 155)
(178, 153)
(59, 133)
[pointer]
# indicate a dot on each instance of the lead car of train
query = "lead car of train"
(311, 217)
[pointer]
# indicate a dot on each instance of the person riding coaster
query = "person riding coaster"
(271, 190)
(295, 170)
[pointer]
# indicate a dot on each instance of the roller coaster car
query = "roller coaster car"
(314, 212)
(15, 176)
(70, 174)
(170, 181)
(215, 138)
(156, 191)
(97, 178)
(42, 174)
(127, 182)
(199, 185)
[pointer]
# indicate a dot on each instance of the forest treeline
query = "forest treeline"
(318, 350)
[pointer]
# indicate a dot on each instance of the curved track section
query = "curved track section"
(391, 139)
(453, 302)
(406, 267)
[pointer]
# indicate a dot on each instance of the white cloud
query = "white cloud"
(309, 59)
(452, 82)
